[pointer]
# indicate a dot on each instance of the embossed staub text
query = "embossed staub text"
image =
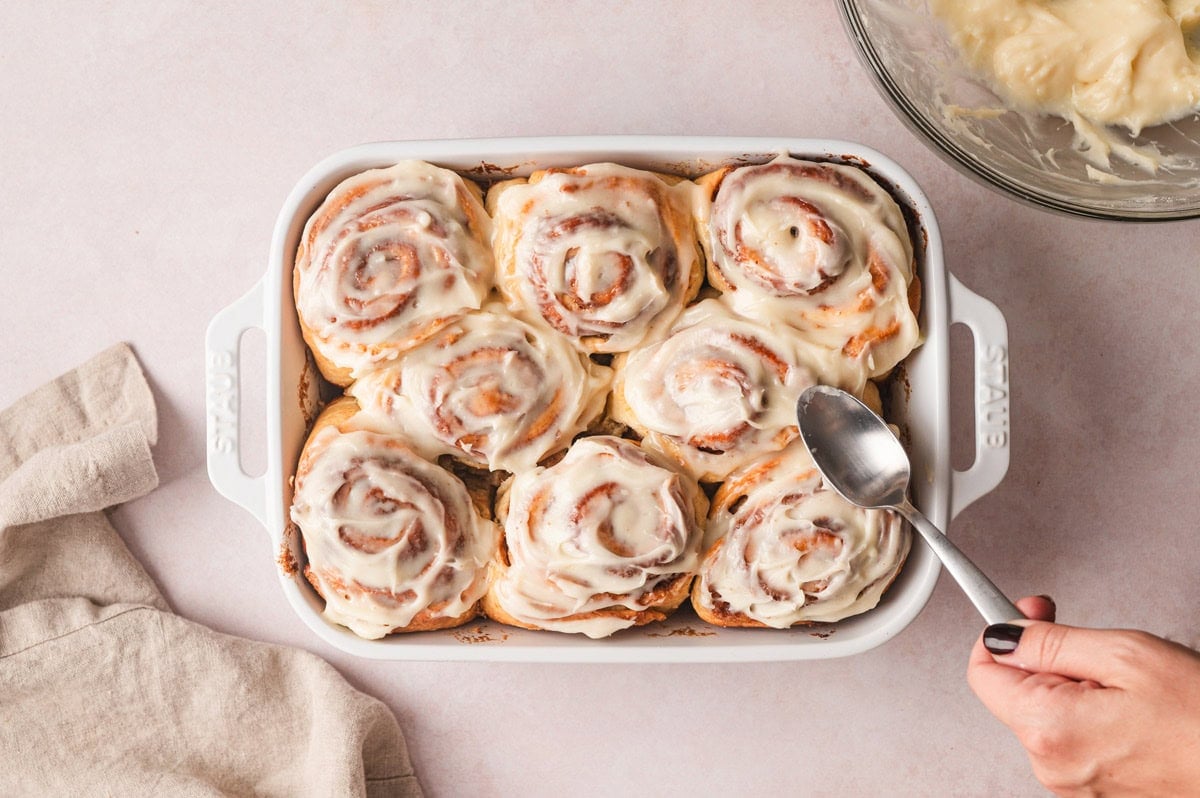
(991, 390)
(222, 402)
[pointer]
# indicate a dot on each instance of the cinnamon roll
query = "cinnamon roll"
(784, 549)
(822, 247)
(717, 392)
(393, 541)
(604, 254)
(389, 258)
(605, 539)
(492, 390)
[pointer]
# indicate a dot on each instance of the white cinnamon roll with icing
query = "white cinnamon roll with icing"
(819, 246)
(492, 390)
(604, 254)
(389, 258)
(393, 542)
(605, 539)
(784, 549)
(718, 391)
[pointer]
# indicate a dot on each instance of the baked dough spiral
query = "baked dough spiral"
(822, 247)
(393, 541)
(489, 389)
(604, 254)
(783, 549)
(605, 539)
(718, 391)
(389, 258)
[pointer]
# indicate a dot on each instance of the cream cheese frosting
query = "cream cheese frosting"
(718, 391)
(603, 534)
(390, 257)
(604, 254)
(388, 535)
(783, 548)
(813, 266)
(820, 247)
(1132, 63)
(489, 388)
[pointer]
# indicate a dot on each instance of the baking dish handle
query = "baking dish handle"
(222, 373)
(992, 433)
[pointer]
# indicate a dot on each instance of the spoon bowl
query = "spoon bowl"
(873, 471)
(860, 458)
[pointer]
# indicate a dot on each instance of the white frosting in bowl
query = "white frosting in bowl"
(1132, 63)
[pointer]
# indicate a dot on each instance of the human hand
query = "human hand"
(1100, 711)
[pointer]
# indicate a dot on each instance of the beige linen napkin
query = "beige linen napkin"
(103, 691)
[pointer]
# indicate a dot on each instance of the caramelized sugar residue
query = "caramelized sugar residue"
(478, 634)
(286, 559)
(682, 631)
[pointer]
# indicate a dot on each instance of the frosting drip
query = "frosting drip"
(820, 247)
(603, 253)
(717, 392)
(605, 533)
(784, 549)
(489, 388)
(388, 535)
(391, 256)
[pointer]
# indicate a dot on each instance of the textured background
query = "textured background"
(146, 148)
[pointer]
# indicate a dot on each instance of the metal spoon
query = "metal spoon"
(861, 459)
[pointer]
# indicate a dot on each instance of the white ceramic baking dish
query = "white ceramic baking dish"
(920, 402)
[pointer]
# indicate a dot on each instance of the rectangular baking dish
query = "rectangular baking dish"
(920, 403)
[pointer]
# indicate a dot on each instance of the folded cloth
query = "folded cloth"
(103, 690)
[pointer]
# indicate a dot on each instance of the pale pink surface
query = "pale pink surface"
(144, 154)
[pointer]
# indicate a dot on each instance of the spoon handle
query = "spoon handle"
(987, 598)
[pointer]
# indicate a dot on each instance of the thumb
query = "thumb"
(1041, 647)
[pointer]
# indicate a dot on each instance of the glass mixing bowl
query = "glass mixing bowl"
(1034, 158)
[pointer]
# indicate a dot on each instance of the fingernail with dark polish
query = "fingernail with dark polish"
(1002, 638)
(1047, 599)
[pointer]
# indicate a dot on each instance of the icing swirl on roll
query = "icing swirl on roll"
(784, 549)
(717, 392)
(490, 389)
(821, 247)
(605, 539)
(604, 254)
(393, 541)
(390, 257)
